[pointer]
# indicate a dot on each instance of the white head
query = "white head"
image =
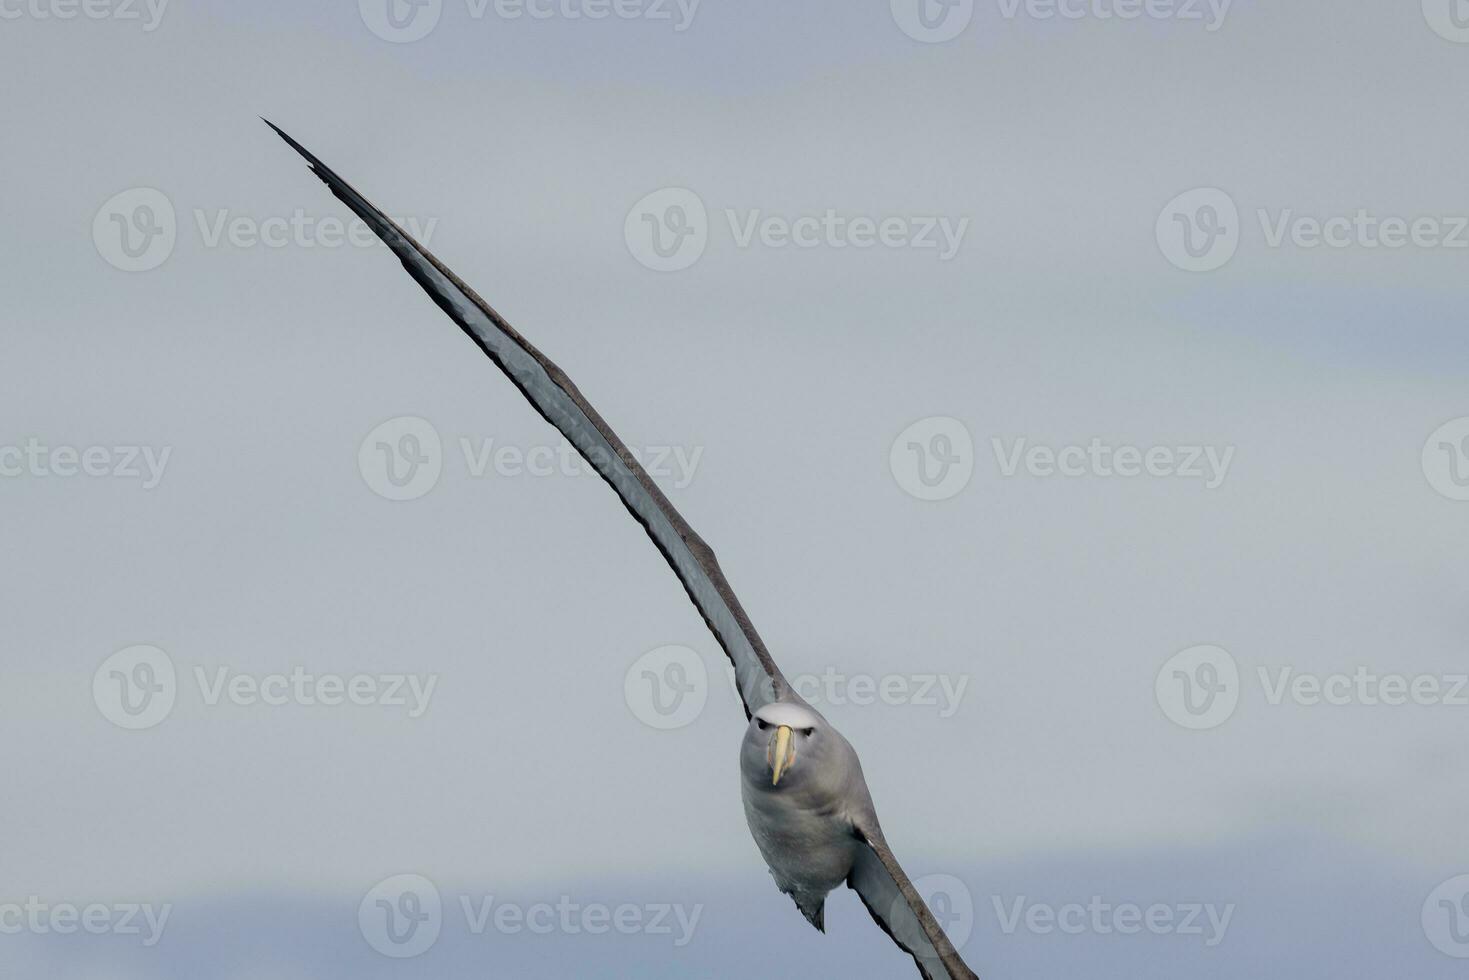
(786, 735)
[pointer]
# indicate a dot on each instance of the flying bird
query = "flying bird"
(804, 794)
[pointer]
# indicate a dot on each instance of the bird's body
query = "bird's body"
(804, 794)
(805, 825)
(808, 847)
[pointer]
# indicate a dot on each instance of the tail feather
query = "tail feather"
(814, 909)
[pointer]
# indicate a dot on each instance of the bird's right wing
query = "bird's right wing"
(552, 394)
(895, 904)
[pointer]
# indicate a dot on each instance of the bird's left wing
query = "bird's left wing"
(896, 906)
(560, 403)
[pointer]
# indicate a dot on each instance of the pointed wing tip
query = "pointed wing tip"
(278, 131)
(291, 142)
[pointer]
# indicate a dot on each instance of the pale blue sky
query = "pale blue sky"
(1056, 600)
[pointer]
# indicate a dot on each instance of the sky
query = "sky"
(1073, 392)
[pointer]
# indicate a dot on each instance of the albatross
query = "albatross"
(804, 794)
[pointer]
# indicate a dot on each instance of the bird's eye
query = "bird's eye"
(761, 725)
(808, 732)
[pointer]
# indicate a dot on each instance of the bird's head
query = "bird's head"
(790, 737)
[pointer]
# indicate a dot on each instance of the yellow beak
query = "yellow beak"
(782, 753)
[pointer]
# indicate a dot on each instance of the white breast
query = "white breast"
(809, 848)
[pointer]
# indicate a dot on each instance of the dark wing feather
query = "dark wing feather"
(560, 403)
(896, 906)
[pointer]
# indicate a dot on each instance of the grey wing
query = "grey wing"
(895, 904)
(560, 403)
